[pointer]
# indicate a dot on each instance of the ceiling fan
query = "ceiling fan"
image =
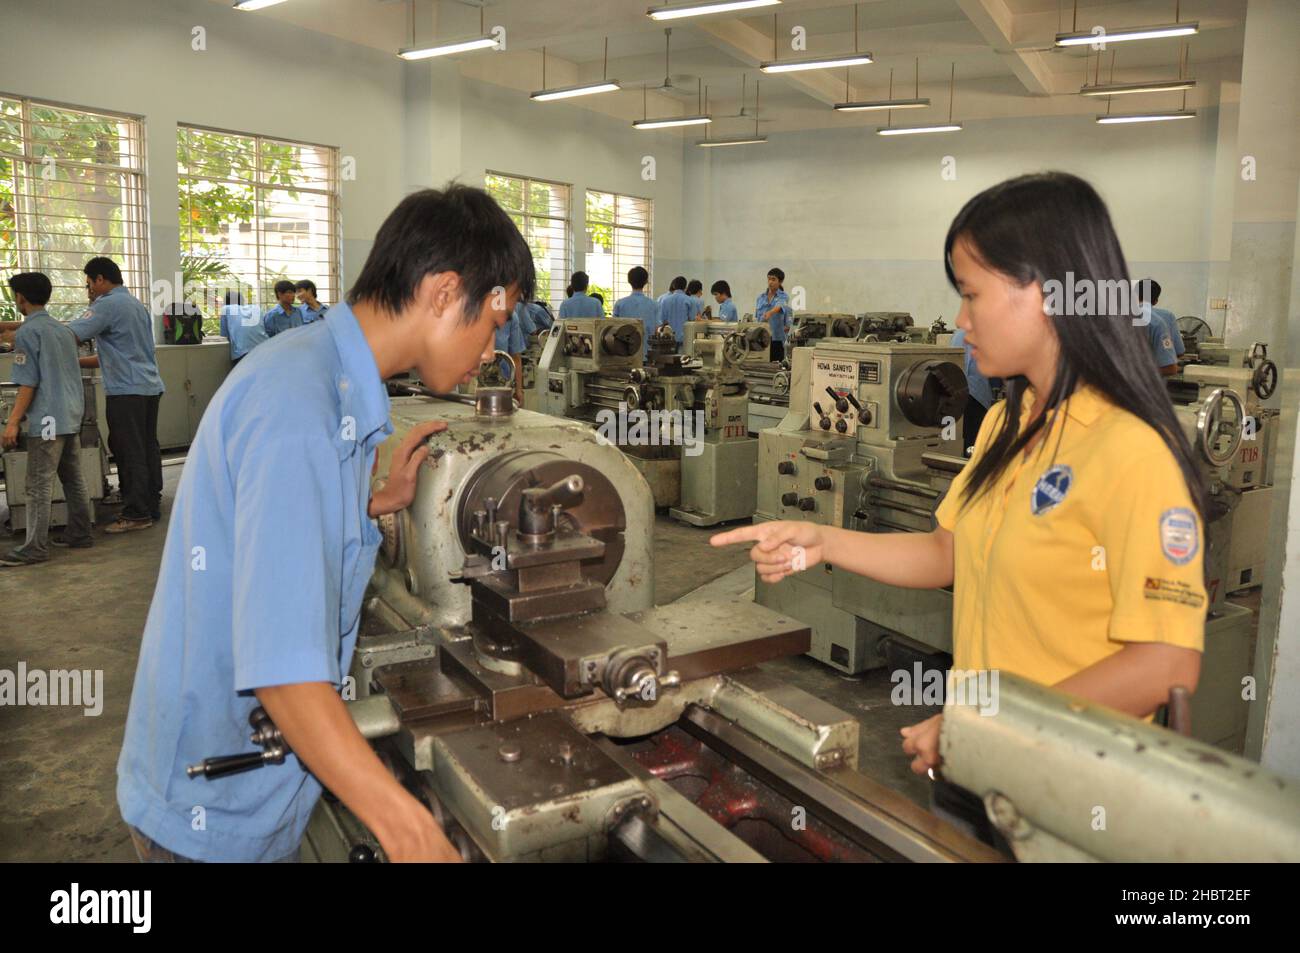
(673, 85)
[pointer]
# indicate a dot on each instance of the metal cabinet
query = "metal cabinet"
(191, 373)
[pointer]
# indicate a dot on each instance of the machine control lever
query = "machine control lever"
(538, 507)
(785, 468)
(265, 733)
(841, 404)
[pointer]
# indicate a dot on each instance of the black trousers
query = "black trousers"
(133, 442)
(778, 351)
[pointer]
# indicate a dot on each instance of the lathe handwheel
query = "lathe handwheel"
(1210, 426)
(1264, 381)
(734, 348)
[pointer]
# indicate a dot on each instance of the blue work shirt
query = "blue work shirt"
(310, 314)
(641, 306)
(261, 582)
(45, 357)
(539, 316)
(123, 331)
(277, 320)
(676, 309)
(727, 311)
(1160, 338)
(698, 306)
(979, 386)
(1171, 322)
(241, 326)
(776, 322)
(510, 338)
(581, 305)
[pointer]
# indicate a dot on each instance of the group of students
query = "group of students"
(296, 305)
(684, 301)
(47, 367)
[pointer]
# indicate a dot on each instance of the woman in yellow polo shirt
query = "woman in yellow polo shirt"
(1073, 538)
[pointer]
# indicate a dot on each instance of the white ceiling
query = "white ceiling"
(1002, 49)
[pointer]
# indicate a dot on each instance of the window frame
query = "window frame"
(557, 290)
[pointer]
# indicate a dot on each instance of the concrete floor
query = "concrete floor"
(85, 609)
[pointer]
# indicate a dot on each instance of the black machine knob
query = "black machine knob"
(842, 425)
(362, 854)
(864, 416)
(785, 467)
(807, 504)
(822, 483)
(840, 403)
(789, 499)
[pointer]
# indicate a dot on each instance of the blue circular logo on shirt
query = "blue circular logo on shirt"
(1050, 489)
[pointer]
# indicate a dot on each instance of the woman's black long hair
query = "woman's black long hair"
(1036, 228)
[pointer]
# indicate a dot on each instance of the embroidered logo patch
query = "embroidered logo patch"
(20, 358)
(1050, 489)
(1179, 537)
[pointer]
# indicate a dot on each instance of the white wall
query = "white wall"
(858, 220)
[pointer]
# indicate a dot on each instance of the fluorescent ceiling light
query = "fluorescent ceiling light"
(568, 92)
(882, 104)
(446, 49)
(255, 4)
(1119, 89)
(737, 141)
(820, 62)
(666, 123)
(1146, 117)
(913, 130)
(676, 11)
(1128, 33)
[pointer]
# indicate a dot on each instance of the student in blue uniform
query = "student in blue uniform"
(773, 306)
(677, 284)
(1085, 456)
(46, 369)
(312, 309)
(122, 329)
(675, 309)
(259, 592)
(579, 304)
(695, 291)
(286, 314)
(721, 292)
(638, 304)
(241, 326)
(1148, 292)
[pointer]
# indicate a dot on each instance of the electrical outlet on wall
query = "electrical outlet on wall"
(1218, 304)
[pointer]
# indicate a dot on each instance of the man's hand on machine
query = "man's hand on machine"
(922, 741)
(404, 470)
(781, 548)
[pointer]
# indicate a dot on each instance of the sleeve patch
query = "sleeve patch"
(1172, 590)
(20, 358)
(1179, 535)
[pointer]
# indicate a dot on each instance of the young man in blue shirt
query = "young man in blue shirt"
(47, 370)
(675, 308)
(1148, 294)
(580, 304)
(241, 326)
(259, 592)
(773, 306)
(721, 292)
(638, 304)
(122, 329)
(311, 308)
(286, 314)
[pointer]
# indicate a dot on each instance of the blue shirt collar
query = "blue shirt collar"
(362, 394)
(39, 312)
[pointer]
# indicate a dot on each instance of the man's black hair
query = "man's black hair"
(638, 277)
(306, 285)
(33, 285)
(778, 274)
(580, 282)
(459, 229)
(720, 288)
(694, 286)
(1153, 286)
(102, 267)
(284, 285)
(678, 284)
(598, 296)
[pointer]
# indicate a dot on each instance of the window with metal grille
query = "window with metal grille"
(72, 187)
(618, 238)
(254, 211)
(541, 210)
